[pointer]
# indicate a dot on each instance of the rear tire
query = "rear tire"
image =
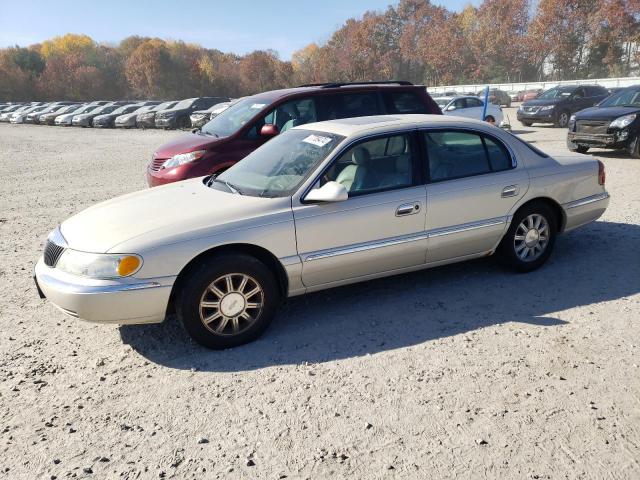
(530, 238)
(227, 301)
(562, 119)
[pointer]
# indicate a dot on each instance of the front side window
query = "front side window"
(384, 163)
(278, 167)
(404, 102)
(235, 117)
(474, 102)
(456, 154)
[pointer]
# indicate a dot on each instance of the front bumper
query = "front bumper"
(122, 301)
(83, 122)
(127, 124)
(165, 122)
(606, 140)
(537, 117)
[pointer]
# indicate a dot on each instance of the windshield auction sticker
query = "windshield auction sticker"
(317, 140)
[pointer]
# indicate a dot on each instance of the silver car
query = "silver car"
(319, 206)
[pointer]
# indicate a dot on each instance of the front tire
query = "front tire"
(228, 301)
(526, 123)
(530, 238)
(634, 147)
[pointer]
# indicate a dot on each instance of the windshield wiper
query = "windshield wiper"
(230, 186)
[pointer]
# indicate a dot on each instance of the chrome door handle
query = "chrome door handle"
(408, 209)
(510, 191)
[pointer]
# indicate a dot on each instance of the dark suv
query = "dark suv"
(252, 121)
(178, 116)
(613, 123)
(557, 104)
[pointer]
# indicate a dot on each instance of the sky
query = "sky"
(238, 26)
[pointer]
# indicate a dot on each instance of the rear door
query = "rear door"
(474, 182)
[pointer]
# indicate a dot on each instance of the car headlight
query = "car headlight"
(183, 158)
(572, 122)
(546, 108)
(98, 265)
(623, 122)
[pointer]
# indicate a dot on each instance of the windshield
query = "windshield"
(233, 118)
(163, 106)
(557, 93)
(629, 97)
(85, 108)
(277, 168)
(124, 109)
(184, 103)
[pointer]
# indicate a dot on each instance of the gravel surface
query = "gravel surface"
(464, 371)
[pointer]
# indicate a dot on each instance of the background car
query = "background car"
(128, 120)
(178, 116)
(49, 118)
(148, 119)
(107, 120)
(86, 119)
(253, 121)
(65, 118)
(322, 205)
(20, 117)
(6, 116)
(530, 94)
(497, 97)
(613, 123)
(200, 117)
(34, 117)
(470, 107)
(557, 104)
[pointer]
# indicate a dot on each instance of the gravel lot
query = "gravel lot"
(465, 371)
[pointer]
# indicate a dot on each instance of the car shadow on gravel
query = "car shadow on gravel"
(594, 264)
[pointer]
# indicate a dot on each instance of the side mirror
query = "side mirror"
(269, 130)
(329, 192)
(451, 107)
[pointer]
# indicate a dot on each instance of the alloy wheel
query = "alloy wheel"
(531, 237)
(231, 304)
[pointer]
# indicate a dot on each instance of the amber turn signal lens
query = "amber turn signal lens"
(128, 265)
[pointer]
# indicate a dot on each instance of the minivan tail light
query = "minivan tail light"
(602, 176)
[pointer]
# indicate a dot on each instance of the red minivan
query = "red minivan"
(252, 121)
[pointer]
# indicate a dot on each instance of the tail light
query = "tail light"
(602, 176)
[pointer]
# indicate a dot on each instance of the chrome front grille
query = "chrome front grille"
(52, 253)
(592, 126)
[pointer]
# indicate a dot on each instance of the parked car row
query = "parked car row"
(105, 114)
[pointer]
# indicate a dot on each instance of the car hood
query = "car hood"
(171, 112)
(605, 113)
(187, 143)
(539, 102)
(168, 214)
(126, 116)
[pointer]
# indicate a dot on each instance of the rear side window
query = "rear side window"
(403, 102)
(347, 105)
(456, 154)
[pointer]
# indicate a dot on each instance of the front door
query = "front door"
(474, 183)
(379, 228)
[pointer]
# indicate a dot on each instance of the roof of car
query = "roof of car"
(273, 95)
(353, 126)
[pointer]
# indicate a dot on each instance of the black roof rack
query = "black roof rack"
(342, 84)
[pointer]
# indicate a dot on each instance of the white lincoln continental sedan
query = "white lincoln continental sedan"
(319, 206)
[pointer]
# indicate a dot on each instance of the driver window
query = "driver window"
(579, 93)
(461, 103)
(286, 116)
(384, 163)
